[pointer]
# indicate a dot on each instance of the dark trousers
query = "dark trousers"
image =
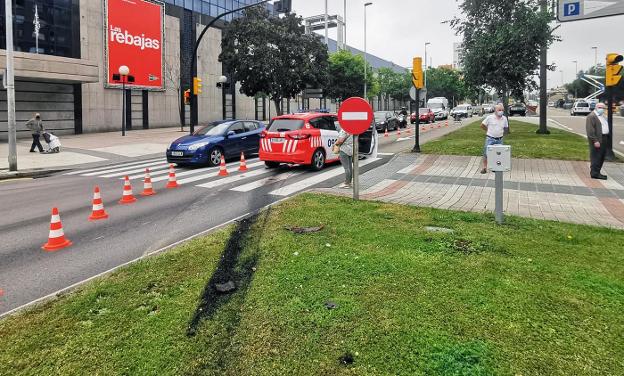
(36, 143)
(597, 155)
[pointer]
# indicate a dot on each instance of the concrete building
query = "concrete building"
(458, 55)
(65, 79)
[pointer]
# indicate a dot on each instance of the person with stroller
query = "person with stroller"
(36, 126)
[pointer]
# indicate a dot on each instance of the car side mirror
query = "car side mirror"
(231, 133)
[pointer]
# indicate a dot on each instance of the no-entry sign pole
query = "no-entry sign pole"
(355, 116)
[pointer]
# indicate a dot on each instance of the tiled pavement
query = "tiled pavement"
(541, 189)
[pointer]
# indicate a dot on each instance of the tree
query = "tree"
(273, 55)
(173, 69)
(346, 76)
(445, 82)
(502, 40)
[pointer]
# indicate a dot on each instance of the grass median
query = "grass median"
(372, 293)
(525, 143)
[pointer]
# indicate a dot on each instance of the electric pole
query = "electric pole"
(10, 83)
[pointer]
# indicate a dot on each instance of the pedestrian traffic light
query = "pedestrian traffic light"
(187, 96)
(282, 6)
(612, 76)
(197, 86)
(417, 73)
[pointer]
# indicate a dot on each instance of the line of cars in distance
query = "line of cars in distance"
(302, 139)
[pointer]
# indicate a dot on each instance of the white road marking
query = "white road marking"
(125, 168)
(212, 174)
(266, 181)
(160, 166)
(199, 170)
(385, 154)
(403, 139)
(315, 179)
(111, 166)
(235, 178)
(621, 142)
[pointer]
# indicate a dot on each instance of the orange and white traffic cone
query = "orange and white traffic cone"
(423, 128)
(98, 211)
(172, 183)
(57, 239)
(386, 132)
(409, 129)
(222, 169)
(446, 125)
(243, 163)
(399, 130)
(127, 197)
(148, 189)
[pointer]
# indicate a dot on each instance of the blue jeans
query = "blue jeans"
(491, 141)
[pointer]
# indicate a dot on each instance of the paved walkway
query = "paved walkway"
(541, 189)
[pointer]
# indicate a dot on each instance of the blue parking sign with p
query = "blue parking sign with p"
(572, 9)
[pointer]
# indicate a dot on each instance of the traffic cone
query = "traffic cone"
(409, 129)
(398, 130)
(172, 183)
(446, 122)
(57, 239)
(386, 132)
(222, 169)
(243, 163)
(98, 211)
(127, 197)
(148, 190)
(423, 128)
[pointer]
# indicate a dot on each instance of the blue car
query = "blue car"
(222, 138)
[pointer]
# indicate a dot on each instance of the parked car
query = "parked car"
(517, 109)
(463, 110)
(426, 115)
(580, 108)
(439, 106)
(221, 138)
(488, 108)
(551, 104)
(307, 139)
(386, 120)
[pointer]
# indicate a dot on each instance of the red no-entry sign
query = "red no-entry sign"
(355, 115)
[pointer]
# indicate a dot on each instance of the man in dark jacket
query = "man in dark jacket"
(597, 128)
(36, 126)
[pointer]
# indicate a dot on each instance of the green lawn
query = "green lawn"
(527, 298)
(525, 143)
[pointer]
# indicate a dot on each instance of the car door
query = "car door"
(251, 141)
(233, 144)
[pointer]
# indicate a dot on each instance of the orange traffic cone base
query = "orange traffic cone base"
(172, 184)
(51, 248)
(148, 193)
(125, 201)
(95, 217)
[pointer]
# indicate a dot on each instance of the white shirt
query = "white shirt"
(495, 125)
(604, 122)
(347, 146)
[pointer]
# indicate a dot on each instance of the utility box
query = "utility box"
(499, 157)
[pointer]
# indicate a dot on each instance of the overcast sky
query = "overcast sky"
(398, 30)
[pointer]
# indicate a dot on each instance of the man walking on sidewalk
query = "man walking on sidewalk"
(495, 126)
(597, 128)
(36, 126)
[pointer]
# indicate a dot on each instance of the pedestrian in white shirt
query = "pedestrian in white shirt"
(495, 127)
(597, 128)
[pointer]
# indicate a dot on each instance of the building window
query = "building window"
(59, 32)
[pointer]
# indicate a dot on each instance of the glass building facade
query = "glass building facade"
(215, 7)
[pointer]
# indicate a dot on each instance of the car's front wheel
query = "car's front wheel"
(318, 160)
(214, 156)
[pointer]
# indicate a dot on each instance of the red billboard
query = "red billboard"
(135, 38)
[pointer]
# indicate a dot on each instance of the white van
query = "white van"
(439, 106)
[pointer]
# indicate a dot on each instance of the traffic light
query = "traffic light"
(187, 96)
(197, 86)
(612, 76)
(282, 6)
(417, 73)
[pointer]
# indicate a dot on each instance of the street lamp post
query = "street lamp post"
(124, 71)
(326, 25)
(562, 81)
(365, 57)
(10, 86)
(576, 76)
(426, 44)
(595, 56)
(345, 24)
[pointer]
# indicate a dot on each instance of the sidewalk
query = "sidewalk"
(92, 147)
(540, 189)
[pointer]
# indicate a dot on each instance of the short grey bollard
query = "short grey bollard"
(499, 161)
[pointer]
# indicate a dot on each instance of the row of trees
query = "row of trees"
(273, 56)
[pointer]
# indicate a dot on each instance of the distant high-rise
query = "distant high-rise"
(458, 55)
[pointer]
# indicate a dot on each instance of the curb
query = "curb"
(6, 175)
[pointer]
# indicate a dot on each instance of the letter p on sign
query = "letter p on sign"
(572, 9)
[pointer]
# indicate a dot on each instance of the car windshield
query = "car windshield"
(213, 129)
(424, 111)
(379, 116)
(582, 104)
(461, 108)
(436, 105)
(518, 105)
(285, 125)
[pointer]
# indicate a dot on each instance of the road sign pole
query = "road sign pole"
(10, 84)
(498, 194)
(609, 154)
(356, 167)
(416, 148)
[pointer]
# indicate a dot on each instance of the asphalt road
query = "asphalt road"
(562, 119)
(205, 201)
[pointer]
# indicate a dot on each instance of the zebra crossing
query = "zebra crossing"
(283, 181)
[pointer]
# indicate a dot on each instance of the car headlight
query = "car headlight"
(197, 146)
